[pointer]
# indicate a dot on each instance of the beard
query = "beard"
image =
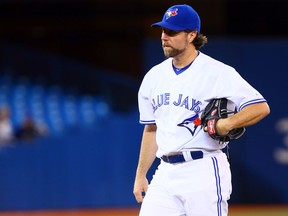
(171, 51)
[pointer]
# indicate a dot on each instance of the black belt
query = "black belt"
(179, 158)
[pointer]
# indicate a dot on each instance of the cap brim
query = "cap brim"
(168, 26)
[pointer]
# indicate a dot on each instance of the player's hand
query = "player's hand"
(221, 127)
(140, 188)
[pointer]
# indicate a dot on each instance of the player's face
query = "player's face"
(174, 43)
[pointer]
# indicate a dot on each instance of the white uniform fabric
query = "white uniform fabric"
(173, 101)
(195, 188)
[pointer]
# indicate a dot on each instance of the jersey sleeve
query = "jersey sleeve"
(240, 91)
(144, 103)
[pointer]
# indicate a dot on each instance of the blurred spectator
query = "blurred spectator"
(29, 130)
(6, 129)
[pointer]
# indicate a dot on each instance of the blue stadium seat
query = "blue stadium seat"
(51, 105)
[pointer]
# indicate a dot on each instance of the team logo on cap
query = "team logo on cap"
(171, 13)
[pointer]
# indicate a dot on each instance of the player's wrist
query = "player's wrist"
(223, 126)
(140, 174)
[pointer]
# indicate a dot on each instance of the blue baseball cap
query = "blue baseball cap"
(180, 18)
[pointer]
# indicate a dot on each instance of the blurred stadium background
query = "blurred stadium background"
(75, 66)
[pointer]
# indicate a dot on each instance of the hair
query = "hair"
(199, 41)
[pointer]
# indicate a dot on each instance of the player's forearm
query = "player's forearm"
(147, 151)
(248, 116)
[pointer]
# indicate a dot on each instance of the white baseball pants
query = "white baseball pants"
(195, 188)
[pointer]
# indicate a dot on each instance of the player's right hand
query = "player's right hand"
(140, 188)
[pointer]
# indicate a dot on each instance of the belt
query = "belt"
(179, 158)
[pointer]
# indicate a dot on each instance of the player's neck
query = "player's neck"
(185, 59)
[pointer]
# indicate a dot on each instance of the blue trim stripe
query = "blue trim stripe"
(147, 122)
(260, 100)
(218, 185)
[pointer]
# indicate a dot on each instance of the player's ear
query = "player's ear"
(192, 35)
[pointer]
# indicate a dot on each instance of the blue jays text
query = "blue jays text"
(182, 101)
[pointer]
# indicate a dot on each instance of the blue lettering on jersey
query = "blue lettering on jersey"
(164, 99)
(185, 103)
(179, 100)
(195, 105)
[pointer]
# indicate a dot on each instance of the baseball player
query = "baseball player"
(194, 176)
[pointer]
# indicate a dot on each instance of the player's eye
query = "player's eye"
(170, 33)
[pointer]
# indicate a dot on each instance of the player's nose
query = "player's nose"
(164, 36)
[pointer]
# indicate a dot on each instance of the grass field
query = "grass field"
(259, 210)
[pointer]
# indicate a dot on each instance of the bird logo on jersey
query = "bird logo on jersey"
(195, 120)
(171, 13)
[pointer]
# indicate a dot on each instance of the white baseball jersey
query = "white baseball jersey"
(172, 101)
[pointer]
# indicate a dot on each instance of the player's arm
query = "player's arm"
(146, 158)
(249, 115)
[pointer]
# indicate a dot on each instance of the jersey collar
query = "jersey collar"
(181, 70)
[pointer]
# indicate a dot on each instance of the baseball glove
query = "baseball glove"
(216, 109)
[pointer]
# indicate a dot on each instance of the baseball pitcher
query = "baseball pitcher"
(192, 106)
